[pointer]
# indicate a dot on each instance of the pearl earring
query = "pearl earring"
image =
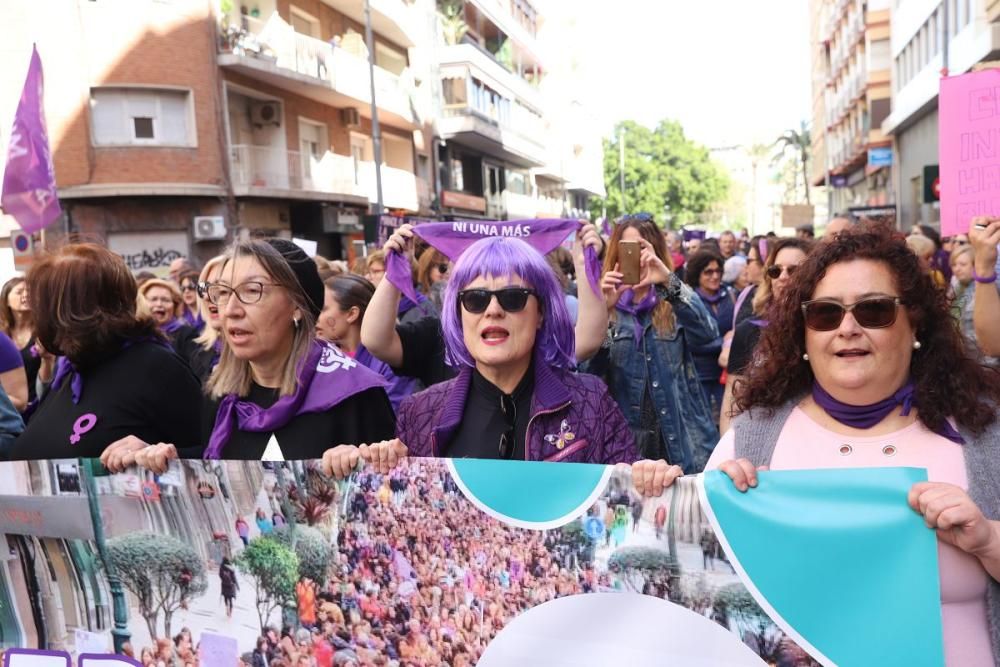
(916, 345)
(805, 357)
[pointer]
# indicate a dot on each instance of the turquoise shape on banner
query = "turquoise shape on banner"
(838, 559)
(530, 494)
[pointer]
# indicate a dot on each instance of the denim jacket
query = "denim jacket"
(11, 425)
(666, 363)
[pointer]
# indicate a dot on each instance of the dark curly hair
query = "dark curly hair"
(698, 262)
(948, 382)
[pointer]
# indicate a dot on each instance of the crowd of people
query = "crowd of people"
(501, 343)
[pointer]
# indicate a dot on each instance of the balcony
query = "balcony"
(550, 207)
(500, 14)
(398, 21)
(264, 171)
(519, 206)
(272, 52)
(463, 58)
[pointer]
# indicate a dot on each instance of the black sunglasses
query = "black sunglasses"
(507, 443)
(774, 271)
(877, 312)
(511, 299)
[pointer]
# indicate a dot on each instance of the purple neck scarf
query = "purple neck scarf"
(66, 369)
(193, 320)
(326, 377)
(709, 299)
(647, 304)
(452, 238)
(171, 327)
(866, 416)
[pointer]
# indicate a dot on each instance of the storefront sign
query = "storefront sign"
(452, 199)
(880, 156)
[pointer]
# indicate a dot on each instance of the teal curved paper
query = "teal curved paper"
(530, 494)
(838, 560)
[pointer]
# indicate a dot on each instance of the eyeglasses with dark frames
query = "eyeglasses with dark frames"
(247, 293)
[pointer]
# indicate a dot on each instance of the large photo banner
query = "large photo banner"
(439, 563)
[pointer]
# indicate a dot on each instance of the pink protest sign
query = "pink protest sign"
(969, 146)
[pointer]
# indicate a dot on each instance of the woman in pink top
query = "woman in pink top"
(862, 367)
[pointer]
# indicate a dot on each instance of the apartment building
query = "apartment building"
(851, 98)
(175, 125)
(923, 32)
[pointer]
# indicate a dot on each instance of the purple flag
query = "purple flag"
(452, 238)
(29, 182)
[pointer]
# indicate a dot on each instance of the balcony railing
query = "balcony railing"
(274, 41)
(519, 206)
(264, 167)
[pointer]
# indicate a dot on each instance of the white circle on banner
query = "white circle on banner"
(600, 629)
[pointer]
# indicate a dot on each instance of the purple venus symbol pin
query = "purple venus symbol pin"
(82, 425)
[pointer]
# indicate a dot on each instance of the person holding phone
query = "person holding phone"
(655, 322)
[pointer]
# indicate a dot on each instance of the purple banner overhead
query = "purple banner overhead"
(452, 238)
(29, 183)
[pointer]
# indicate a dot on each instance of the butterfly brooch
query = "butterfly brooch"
(564, 437)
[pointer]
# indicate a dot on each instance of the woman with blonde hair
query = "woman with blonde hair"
(432, 275)
(163, 302)
(277, 392)
(647, 357)
(202, 348)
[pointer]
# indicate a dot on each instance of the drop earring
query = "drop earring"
(297, 322)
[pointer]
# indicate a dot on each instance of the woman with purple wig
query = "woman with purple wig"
(507, 329)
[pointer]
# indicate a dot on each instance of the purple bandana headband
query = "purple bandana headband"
(452, 238)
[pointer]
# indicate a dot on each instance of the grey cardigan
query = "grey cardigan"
(756, 434)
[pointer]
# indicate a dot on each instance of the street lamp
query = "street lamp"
(376, 132)
(119, 634)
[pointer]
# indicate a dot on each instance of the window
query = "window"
(303, 23)
(142, 117)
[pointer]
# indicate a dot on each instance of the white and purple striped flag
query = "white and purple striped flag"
(29, 182)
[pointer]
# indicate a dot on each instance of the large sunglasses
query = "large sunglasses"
(507, 442)
(877, 312)
(774, 271)
(511, 299)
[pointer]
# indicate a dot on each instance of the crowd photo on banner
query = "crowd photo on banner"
(397, 568)
(520, 349)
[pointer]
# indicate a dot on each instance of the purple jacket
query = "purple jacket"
(573, 419)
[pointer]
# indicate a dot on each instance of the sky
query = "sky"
(731, 71)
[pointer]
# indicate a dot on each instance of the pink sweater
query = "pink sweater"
(805, 444)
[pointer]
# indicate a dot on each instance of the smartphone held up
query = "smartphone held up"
(628, 261)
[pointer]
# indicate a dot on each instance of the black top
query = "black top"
(365, 417)
(32, 364)
(200, 360)
(741, 351)
(483, 420)
(143, 390)
(423, 351)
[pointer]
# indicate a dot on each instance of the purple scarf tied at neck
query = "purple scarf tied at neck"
(452, 238)
(866, 416)
(326, 377)
(709, 298)
(637, 310)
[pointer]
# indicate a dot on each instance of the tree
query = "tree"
(664, 171)
(639, 565)
(162, 572)
(275, 569)
(311, 548)
(800, 143)
(738, 611)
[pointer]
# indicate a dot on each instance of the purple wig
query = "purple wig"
(496, 257)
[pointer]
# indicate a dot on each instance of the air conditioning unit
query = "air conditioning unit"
(350, 117)
(265, 113)
(209, 228)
